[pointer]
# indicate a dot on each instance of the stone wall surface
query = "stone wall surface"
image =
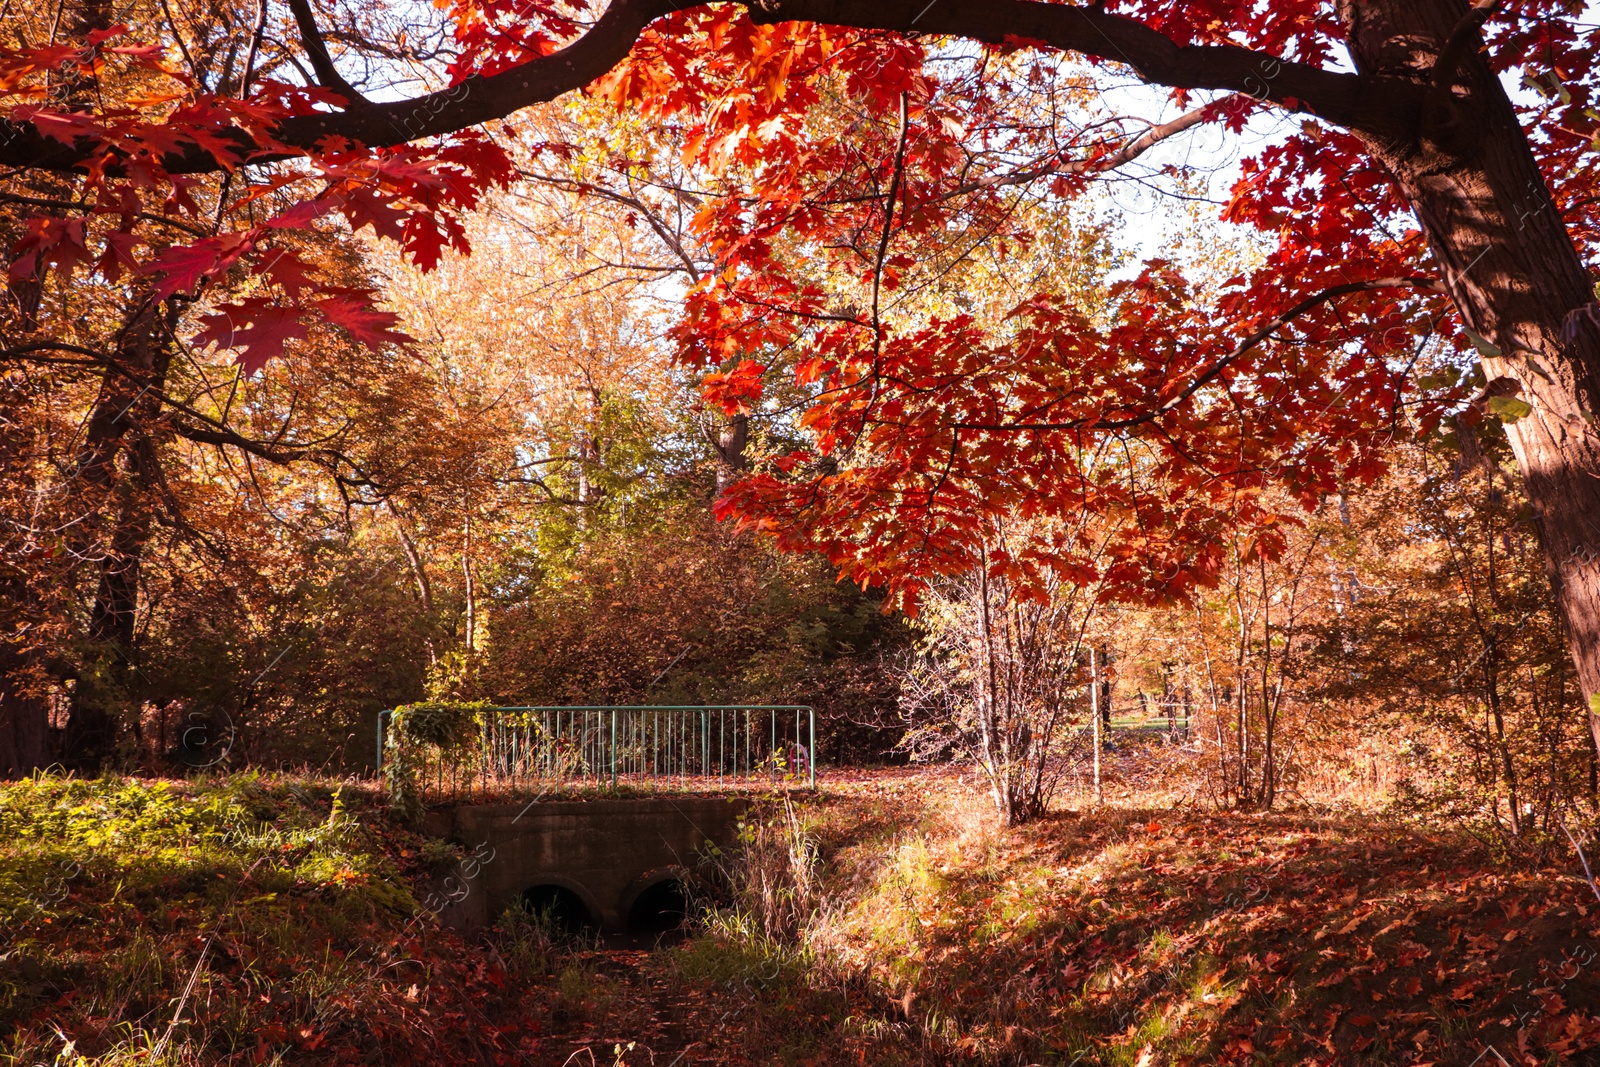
(606, 851)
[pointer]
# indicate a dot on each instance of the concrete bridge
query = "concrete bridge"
(612, 866)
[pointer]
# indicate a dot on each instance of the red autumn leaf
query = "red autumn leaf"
(119, 254)
(63, 126)
(97, 37)
(365, 323)
(255, 330)
(301, 214)
(1014, 41)
(736, 390)
(294, 274)
(185, 266)
(57, 243)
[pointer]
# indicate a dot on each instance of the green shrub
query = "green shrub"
(413, 730)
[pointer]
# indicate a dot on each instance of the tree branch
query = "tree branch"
(1138, 146)
(1130, 150)
(317, 52)
(1367, 103)
(1361, 102)
(473, 100)
(888, 219)
(282, 457)
(1464, 40)
(1210, 374)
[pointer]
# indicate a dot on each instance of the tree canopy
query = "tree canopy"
(860, 206)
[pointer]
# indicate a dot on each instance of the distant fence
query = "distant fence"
(456, 749)
(1172, 720)
(1171, 717)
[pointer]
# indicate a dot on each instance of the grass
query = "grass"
(887, 921)
(245, 919)
(1145, 937)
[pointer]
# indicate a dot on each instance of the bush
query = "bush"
(439, 725)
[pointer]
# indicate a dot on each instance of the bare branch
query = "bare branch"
(1127, 152)
(204, 435)
(317, 52)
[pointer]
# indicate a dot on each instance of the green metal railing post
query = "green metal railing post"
(811, 748)
(613, 750)
(383, 717)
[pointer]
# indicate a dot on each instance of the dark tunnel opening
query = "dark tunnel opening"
(563, 909)
(660, 910)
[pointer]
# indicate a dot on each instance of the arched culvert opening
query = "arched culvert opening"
(560, 907)
(660, 909)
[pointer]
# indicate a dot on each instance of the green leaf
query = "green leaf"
(1534, 366)
(1509, 408)
(1485, 347)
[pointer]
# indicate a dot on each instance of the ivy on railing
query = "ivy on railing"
(412, 730)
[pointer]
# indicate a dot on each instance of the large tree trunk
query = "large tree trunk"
(730, 445)
(118, 461)
(1514, 274)
(24, 715)
(24, 710)
(117, 469)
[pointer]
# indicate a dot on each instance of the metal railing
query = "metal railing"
(1174, 720)
(550, 746)
(1155, 717)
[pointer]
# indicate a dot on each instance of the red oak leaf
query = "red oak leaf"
(365, 323)
(184, 267)
(256, 329)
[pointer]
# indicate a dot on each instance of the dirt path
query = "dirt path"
(639, 1015)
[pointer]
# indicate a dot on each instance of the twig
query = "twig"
(1587, 873)
(194, 975)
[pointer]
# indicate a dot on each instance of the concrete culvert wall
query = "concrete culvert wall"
(610, 854)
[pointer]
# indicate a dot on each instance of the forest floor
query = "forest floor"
(256, 920)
